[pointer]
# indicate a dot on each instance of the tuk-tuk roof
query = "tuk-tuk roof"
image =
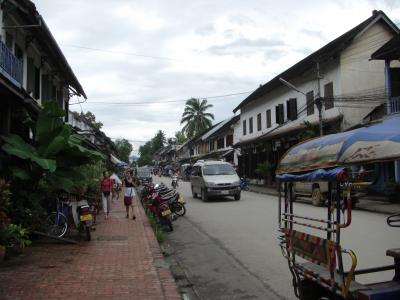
(316, 175)
(377, 142)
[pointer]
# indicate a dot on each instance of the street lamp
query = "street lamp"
(318, 102)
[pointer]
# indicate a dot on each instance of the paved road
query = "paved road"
(229, 248)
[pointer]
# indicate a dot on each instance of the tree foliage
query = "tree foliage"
(195, 117)
(92, 119)
(124, 149)
(180, 137)
(47, 165)
(147, 150)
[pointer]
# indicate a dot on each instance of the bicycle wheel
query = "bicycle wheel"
(56, 224)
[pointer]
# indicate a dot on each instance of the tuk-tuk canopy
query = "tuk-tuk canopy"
(377, 142)
(316, 175)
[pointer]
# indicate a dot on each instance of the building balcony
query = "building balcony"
(10, 65)
(394, 104)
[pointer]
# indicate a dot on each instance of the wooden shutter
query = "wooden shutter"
(268, 118)
(310, 103)
(259, 122)
(281, 114)
(293, 109)
(30, 87)
(328, 95)
(244, 127)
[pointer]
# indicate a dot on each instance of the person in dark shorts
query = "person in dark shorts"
(129, 194)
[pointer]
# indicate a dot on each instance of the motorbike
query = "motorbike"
(175, 201)
(83, 217)
(244, 184)
(174, 182)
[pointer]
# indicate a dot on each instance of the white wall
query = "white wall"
(307, 82)
(361, 76)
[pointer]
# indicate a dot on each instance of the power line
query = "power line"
(167, 101)
(121, 52)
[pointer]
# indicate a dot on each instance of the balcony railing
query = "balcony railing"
(10, 65)
(395, 104)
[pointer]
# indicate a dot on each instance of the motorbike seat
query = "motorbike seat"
(395, 253)
(168, 197)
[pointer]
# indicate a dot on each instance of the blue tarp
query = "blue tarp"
(374, 143)
(317, 175)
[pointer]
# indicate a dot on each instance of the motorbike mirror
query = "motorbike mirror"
(393, 220)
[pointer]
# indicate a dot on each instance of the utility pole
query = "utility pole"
(319, 100)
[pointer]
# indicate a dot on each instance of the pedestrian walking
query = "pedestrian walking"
(106, 189)
(129, 194)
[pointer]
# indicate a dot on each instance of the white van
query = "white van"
(214, 178)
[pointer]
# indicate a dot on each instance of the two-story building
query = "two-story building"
(33, 69)
(334, 88)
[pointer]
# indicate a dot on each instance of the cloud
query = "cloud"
(242, 46)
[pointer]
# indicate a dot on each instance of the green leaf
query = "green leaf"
(20, 173)
(47, 164)
(17, 146)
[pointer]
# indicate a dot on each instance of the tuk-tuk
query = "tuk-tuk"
(312, 245)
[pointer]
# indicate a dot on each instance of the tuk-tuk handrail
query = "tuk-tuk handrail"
(309, 218)
(309, 225)
(350, 274)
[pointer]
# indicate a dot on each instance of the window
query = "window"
(46, 88)
(19, 53)
(268, 115)
(291, 109)
(219, 169)
(220, 143)
(328, 95)
(279, 114)
(60, 99)
(251, 125)
(259, 122)
(33, 79)
(211, 145)
(9, 41)
(310, 103)
(244, 127)
(229, 140)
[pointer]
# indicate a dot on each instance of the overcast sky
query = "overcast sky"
(167, 50)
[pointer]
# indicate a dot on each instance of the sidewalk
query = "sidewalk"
(365, 203)
(123, 261)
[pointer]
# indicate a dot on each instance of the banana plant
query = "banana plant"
(54, 153)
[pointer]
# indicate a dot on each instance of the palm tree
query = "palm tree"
(196, 117)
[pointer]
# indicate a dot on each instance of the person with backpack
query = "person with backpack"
(106, 185)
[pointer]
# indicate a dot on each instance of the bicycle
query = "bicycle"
(56, 222)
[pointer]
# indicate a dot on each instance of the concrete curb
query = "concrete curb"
(168, 284)
(389, 211)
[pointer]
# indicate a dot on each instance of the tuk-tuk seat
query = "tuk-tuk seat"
(395, 253)
(324, 273)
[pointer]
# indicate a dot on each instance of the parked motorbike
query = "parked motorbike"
(174, 182)
(244, 183)
(83, 217)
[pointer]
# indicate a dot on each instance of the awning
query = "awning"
(292, 127)
(117, 162)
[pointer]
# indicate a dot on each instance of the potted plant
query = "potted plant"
(265, 171)
(14, 237)
(392, 191)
